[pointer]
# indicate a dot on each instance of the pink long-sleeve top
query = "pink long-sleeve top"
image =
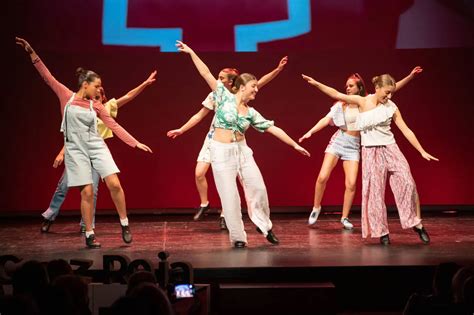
(64, 94)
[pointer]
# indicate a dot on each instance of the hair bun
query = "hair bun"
(80, 71)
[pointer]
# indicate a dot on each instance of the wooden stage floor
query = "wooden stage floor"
(205, 246)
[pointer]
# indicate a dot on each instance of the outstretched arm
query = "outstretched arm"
(408, 78)
(134, 93)
(333, 93)
(25, 45)
(193, 121)
(118, 130)
(280, 134)
(322, 123)
(59, 89)
(200, 65)
(272, 75)
(397, 117)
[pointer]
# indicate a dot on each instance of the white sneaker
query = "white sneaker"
(347, 224)
(313, 217)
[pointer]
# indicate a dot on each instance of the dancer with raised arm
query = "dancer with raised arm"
(83, 146)
(344, 145)
(381, 158)
(227, 77)
(232, 158)
(61, 191)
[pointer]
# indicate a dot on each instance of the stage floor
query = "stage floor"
(205, 246)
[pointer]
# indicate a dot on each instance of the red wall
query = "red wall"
(437, 106)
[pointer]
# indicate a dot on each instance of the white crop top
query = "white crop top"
(350, 116)
(375, 125)
(344, 119)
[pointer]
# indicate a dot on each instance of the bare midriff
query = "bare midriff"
(354, 133)
(227, 136)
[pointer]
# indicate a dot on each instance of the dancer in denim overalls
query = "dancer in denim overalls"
(84, 148)
(61, 191)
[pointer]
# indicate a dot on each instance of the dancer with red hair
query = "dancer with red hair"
(344, 145)
(381, 158)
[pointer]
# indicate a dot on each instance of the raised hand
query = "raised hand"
(182, 47)
(416, 70)
(143, 147)
(309, 79)
(283, 62)
(23, 43)
(151, 78)
(174, 133)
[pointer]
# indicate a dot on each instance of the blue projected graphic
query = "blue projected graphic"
(116, 32)
(247, 36)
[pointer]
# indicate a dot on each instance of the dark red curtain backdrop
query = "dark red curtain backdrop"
(437, 105)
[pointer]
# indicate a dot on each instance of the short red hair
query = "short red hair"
(231, 71)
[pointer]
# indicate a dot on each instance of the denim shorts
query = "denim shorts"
(344, 146)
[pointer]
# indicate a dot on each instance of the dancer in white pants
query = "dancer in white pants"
(230, 155)
(226, 76)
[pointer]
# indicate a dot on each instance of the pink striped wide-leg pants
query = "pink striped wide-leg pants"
(377, 164)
